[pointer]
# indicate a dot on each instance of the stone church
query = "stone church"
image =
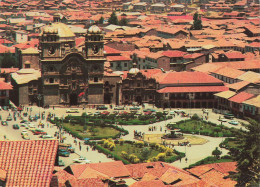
(70, 76)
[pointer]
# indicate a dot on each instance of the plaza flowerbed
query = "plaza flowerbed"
(192, 126)
(93, 131)
(137, 152)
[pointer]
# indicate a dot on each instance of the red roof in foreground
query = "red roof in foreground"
(28, 163)
(193, 89)
(242, 96)
(5, 86)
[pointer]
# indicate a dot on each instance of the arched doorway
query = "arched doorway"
(138, 99)
(73, 99)
(107, 98)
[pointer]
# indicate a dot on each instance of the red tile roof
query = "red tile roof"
(152, 183)
(5, 86)
(8, 70)
(188, 78)
(228, 72)
(111, 169)
(110, 50)
(26, 163)
(174, 53)
(240, 97)
(118, 58)
(193, 89)
(238, 85)
(234, 54)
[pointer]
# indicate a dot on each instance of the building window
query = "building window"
(125, 64)
(27, 66)
(95, 79)
(138, 84)
(166, 94)
(51, 80)
(111, 65)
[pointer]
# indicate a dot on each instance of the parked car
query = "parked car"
(97, 113)
(72, 110)
(233, 122)
(149, 109)
(135, 108)
(26, 137)
(24, 132)
(102, 107)
(172, 112)
(165, 112)
(16, 126)
(223, 119)
(89, 113)
(9, 118)
(105, 113)
(63, 153)
(46, 136)
(4, 123)
(119, 108)
(229, 116)
(38, 132)
(82, 160)
(67, 147)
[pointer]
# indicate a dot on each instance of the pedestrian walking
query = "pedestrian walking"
(87, 148)
(186, 159)
(80, 147)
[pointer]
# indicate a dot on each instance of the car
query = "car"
(205, 110)
(149, 109)
(23, 121)
(165, 112)
(223, 119)
(229, 116)
(9, 118)
(105, 113)
(72, 110)
(67, 147)
(4, 123)
(135, 108)
(89, 113)
(97, 113)
(63, 152)
(148, 113)
(172, 112)
(81, 160)
(16, 126)
(233, 122)
(26, 137)
(46, 137)
(119, 108)
(61, 163)
(38, 132)
(24, 132)
(102, 107)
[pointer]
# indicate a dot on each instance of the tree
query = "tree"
(113, 19)
(248, 158)
(8, 61)
(101, 20)
(123, 22)
(145, 152)
(216, 153)
(197, 23)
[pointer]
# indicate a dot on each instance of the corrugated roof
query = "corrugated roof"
(238, 85)
(30, 51)
(250, 76)
(225, 94)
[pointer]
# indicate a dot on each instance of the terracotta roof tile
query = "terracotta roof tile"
(5, 86)
(188, 78)
(192, 89)
(238, 85)
(240, 97)
(25, 162)
(174, 53)
(118, 58)
(152, 183)
(228, 72)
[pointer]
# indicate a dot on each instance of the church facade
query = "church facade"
(70, 76)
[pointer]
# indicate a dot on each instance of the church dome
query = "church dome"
(94, 29)
(61, 29)
(134, 70)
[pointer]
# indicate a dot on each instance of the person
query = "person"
(87, 148)
(4, 136)
(186, 159)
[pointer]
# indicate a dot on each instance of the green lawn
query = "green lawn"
(91, 132)
(204, 128)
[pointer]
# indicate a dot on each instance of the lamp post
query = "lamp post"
(39, 97)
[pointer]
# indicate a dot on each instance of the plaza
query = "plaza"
(201, 146)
